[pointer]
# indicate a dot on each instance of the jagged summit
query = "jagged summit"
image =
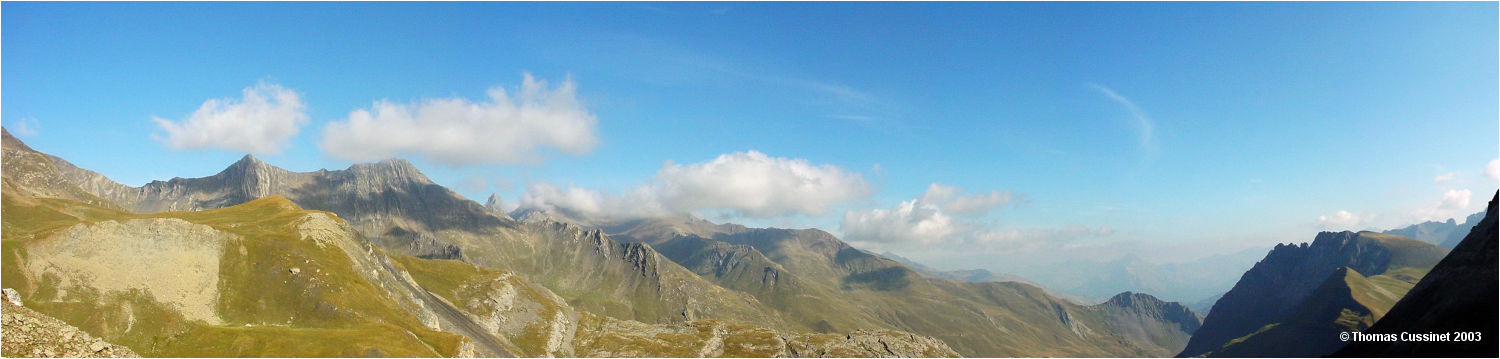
(1275, 286)
(392, 170)
(495, 205)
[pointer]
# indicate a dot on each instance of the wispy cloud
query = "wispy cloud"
(1345, 221)
(26, 127)
(661, 62)
(1146, 137)
(1444, 178)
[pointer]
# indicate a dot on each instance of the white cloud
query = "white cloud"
(927, 222)
(1444, 178)
(952, 200)
(1455, 200)
(1345, 220)
(749, 184)
(908, 222)
(1453, 203)
(504, 128)
(1493, 169)
(757, 185)
(261, 121)
(26, 127)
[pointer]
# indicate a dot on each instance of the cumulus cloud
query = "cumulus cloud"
(261, 121)
(1493, 169)
(1345, 220)
(908, 222)
(952, 199)
(749, 184)
(757, 185)
(1455, 200)
(503, 128)
(928, 221)
(1444, 178)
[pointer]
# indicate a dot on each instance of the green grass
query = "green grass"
(327, 310)
(461, 283)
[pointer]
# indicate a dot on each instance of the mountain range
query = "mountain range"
(1341, 281)
(376, 259)
(1459, 295)
(1446, 234)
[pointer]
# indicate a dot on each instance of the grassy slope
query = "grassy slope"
(1347, 302)
(326, 311)
(842, 289)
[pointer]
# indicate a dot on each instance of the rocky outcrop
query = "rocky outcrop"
(495, 206)
(1275, 286)
(1155, 325)
(607, 337)
(36, 335)
(1459, 295)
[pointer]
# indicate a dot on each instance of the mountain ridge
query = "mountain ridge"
(1289, 273)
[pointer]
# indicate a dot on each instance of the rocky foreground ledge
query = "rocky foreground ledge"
(36, 335)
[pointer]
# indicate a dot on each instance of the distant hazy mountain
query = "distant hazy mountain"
(1095, 280)
(1278, 288)
(823, 283)
(1203, 306)
(1446, 234)
(962, 275)
(1459, 295)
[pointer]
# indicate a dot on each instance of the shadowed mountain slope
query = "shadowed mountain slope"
(1276, 286)
(1345, 302)
(1457, 295)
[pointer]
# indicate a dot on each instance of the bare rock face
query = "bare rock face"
(174, 261)
(31, 334)
(1149, 323)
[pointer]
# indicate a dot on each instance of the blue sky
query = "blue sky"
(1081, 130)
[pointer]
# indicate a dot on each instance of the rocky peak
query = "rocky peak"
(1127, 299)
(392, 171)
(253, 178)
(494, 204)
(495, 207)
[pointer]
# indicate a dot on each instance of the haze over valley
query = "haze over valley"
(748, 179)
